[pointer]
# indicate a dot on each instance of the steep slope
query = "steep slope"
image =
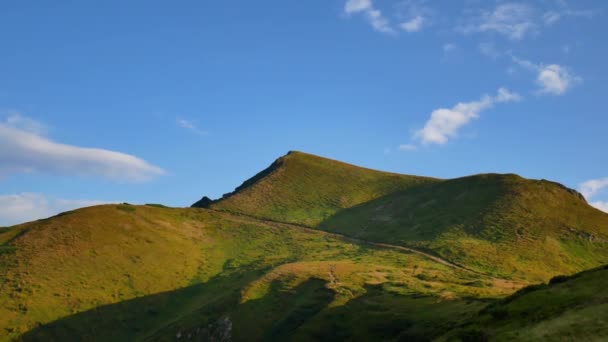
(306, 189)
(567, 309)
(124, 272)
(499, 224)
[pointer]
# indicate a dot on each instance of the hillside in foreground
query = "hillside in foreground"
(123, 273)
(571, 308)
(503, 225)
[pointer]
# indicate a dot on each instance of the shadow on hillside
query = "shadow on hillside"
(387, 316)
(137, 317)
(422, 212)
(211, 311)
(200, 312)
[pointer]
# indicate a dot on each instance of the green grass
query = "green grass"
(306, 189)
(117, 274)
(504, 225)
(569, 309)
(499, 224)
(247, 266)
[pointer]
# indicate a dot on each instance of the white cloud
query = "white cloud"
(373, 15)
(603, 206)
(189, 125)
(408, 147)
(591, 187)
(378, 22)
(563, 11)
(413, 25)
(504, 95)
(24, 207)
(526, 64)
(552, 79)
(513, 20)
(551, 17)
(355, 6)
(489, 49)
(24, 150)
(444, 123)
(555, 79)
(14, 119)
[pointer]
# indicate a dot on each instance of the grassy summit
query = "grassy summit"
(306, 189)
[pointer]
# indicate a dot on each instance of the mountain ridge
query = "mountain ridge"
(308, 248)
(505, 215)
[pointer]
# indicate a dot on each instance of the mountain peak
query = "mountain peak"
(304, 188)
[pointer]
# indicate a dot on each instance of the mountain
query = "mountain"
(500, 224)
(314, 249)
(306, 189)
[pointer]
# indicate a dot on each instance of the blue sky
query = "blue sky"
(164, 102)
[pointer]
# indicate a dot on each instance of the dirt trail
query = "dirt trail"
(346, 238)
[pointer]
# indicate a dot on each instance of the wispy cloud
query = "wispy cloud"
(552, 79)
(489, 49)
(373, 15)
(408, 147)
(518, 20)
(414, 15)
(562, 11)
(449, 47)
(603, 206)
(591, 188)
(444, 123)
(23, 150)
(24, 207)
(551, 17)
(414, 24)
(189, 125)
(15, 119)
(513, 20)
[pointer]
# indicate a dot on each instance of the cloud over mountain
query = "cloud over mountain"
(23, 150)
(444, 123)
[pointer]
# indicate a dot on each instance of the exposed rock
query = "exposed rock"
(204, 202)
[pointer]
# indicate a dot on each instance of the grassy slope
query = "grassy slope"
(306, 189)
(500, 224)
(568, 309)
(121, 272)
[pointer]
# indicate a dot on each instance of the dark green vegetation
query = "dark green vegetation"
(568, 308)
(500, 224)
(263, 264)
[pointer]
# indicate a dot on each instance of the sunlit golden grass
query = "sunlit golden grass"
(109, 254)
(499, 224)
(261, 264)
